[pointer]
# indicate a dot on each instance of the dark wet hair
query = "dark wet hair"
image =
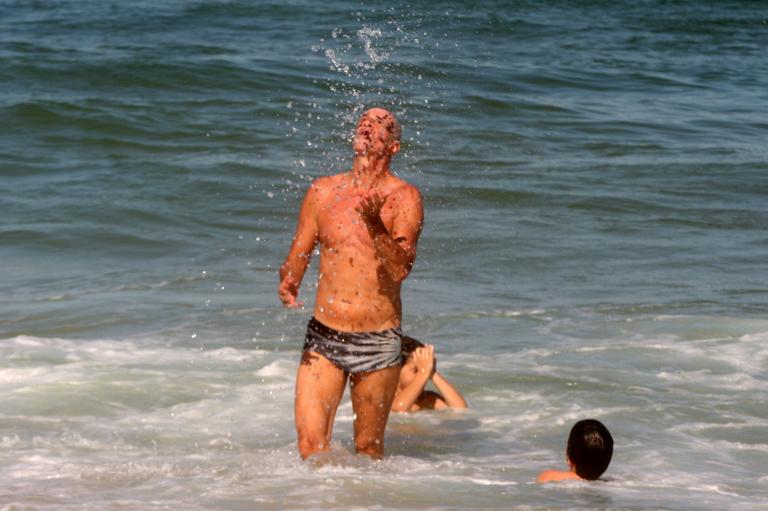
(590, 447)
(409, 345)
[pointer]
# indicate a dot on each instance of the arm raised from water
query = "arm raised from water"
(424, 359)
(450, 397)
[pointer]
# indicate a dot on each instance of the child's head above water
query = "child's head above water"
(409, 345)
(419, 367)
(589, 449)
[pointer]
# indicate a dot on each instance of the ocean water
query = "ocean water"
(595, 178)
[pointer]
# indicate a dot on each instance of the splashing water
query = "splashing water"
(368, 64)
(336, 63)
(368, 35)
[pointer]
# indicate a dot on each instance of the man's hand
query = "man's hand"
(288, 291)
(424, 358)
(370, 211)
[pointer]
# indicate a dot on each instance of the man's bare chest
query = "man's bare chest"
(339, 222)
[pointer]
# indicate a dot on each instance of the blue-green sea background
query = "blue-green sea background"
(595, 178)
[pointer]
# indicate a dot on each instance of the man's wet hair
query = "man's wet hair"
(409, 345)
(590, 447)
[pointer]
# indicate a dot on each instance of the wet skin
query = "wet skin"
(367, 222)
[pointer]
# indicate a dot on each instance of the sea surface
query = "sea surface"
(595, 180)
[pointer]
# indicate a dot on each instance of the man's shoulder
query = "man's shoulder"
(404, 189)
(323, 185)
(323, 182)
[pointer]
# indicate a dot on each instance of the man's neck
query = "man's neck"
(369, 170)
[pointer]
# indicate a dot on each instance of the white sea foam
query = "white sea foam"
(282, 369)
(169, 416)
(10, 442)
(21, 375)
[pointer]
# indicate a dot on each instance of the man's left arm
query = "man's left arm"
(396, 248)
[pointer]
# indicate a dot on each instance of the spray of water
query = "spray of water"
(372, 61)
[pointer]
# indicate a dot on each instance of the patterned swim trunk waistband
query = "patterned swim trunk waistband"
(355, 352)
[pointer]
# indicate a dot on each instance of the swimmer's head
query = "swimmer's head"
(409, 345)
(377, 132)
(589, 449)
(409, 369)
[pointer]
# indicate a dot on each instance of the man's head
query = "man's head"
(378, 132)
(590, 447)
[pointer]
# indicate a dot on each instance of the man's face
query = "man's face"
(375, 133)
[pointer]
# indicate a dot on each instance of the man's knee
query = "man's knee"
(310, 443)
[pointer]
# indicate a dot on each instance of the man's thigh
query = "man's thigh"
(319, 389)
(372, 395)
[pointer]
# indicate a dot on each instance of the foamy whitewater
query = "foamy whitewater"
(595, 179)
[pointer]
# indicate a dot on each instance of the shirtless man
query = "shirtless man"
(367, 222)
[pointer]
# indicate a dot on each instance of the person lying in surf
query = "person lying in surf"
(419, 368)
(588, 453)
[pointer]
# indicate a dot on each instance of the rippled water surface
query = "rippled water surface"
(594, 178)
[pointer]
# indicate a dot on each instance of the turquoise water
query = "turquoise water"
(595, 177)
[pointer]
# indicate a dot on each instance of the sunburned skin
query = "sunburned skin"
(367, 222)
(355, 293)
(350, 212)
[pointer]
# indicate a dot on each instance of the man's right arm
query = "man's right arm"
(304, 241)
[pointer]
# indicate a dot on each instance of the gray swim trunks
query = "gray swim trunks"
(354, 352)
